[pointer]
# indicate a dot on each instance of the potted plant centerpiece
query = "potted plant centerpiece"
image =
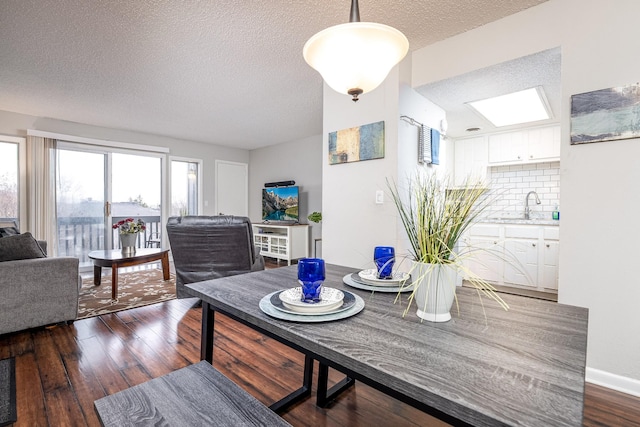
(128, 231)
(435, 218)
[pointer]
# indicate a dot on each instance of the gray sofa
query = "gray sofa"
(38, 292)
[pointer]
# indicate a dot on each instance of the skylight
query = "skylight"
(525, 106)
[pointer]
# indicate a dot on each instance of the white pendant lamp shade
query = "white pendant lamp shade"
(356, 57)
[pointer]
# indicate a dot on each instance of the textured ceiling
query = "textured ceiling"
(227, 72)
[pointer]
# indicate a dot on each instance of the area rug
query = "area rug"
(135, 289)
(8, 413)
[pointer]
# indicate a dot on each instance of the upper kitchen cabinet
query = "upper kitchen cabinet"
(470, 159)
(525, 146)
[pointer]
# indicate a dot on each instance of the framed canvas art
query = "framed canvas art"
(606, 115)
(364, 142)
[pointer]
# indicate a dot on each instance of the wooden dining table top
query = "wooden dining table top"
(486, 366)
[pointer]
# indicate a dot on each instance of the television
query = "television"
(280, 204)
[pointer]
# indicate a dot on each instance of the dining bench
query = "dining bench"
(197, 395)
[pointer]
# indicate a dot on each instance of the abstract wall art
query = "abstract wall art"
(606, 115)
(364, 142)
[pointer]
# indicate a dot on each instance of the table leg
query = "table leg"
(114, 282)
(300, 394)
(97, 275)
(165, 266)
(324, 396)
(206, 336)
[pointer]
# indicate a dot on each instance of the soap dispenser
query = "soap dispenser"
(556, 213)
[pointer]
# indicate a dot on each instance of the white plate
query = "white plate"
(270, 310)
(354, 281)
(330, 299)
(348, 302)
(371, 277)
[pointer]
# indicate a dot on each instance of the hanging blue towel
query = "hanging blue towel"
(435, 147)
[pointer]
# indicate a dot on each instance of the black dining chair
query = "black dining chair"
(210, 247)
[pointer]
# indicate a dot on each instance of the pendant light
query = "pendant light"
(356, 57)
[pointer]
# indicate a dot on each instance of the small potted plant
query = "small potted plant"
(435, 217)
(315, 217)
(128, 231)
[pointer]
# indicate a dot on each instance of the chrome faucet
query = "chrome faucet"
(526, 203)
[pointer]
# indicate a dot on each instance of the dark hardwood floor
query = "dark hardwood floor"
(61, 370)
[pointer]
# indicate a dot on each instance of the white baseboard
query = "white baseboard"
(613, 381)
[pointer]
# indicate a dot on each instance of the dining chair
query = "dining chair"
(210, 247)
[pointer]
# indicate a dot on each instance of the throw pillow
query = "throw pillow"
(8, 231)
(20, 246)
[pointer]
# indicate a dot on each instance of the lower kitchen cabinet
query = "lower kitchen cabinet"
(521, 262)
(523, 256)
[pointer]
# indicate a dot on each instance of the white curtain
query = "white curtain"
(41, 191)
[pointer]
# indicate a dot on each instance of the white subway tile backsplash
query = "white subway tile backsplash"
(514, 182)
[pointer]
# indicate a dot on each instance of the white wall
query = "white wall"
(414, 105)
(599, 251)
(17, 124)
(299, 160)
(353, 224)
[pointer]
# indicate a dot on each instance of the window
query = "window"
(185, 187)
(11, 183)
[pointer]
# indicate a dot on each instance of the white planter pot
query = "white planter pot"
(436, 288)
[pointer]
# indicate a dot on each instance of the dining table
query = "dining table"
(487, 366)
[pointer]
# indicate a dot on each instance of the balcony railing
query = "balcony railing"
(77, 236)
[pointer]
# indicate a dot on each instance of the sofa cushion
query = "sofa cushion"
(8, 231)
(20, 246)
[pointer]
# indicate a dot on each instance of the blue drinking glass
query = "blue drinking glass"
(311, 276)
(384, 257)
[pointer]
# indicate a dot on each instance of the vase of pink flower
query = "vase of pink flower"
(128, 231)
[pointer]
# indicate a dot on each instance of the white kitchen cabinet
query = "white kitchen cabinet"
(550, 257)
(543, 144)
(521, 262)
(286, 242)
(525, 146)
(480, 248)
(483, 263)
(516, 255)
(471, 156)
(507, 147)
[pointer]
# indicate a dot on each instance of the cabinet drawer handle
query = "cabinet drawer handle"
(533, 244)
(547, 245)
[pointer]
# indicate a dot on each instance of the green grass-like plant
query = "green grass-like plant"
(435, 217)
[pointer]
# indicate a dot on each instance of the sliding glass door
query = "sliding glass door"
(136, 192)
(80, 203)
(97, 187)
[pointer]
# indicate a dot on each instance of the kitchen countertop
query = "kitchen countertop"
(520, 221)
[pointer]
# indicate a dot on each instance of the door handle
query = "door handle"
(107, 209)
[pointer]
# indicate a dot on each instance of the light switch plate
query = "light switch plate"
(379, 197)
